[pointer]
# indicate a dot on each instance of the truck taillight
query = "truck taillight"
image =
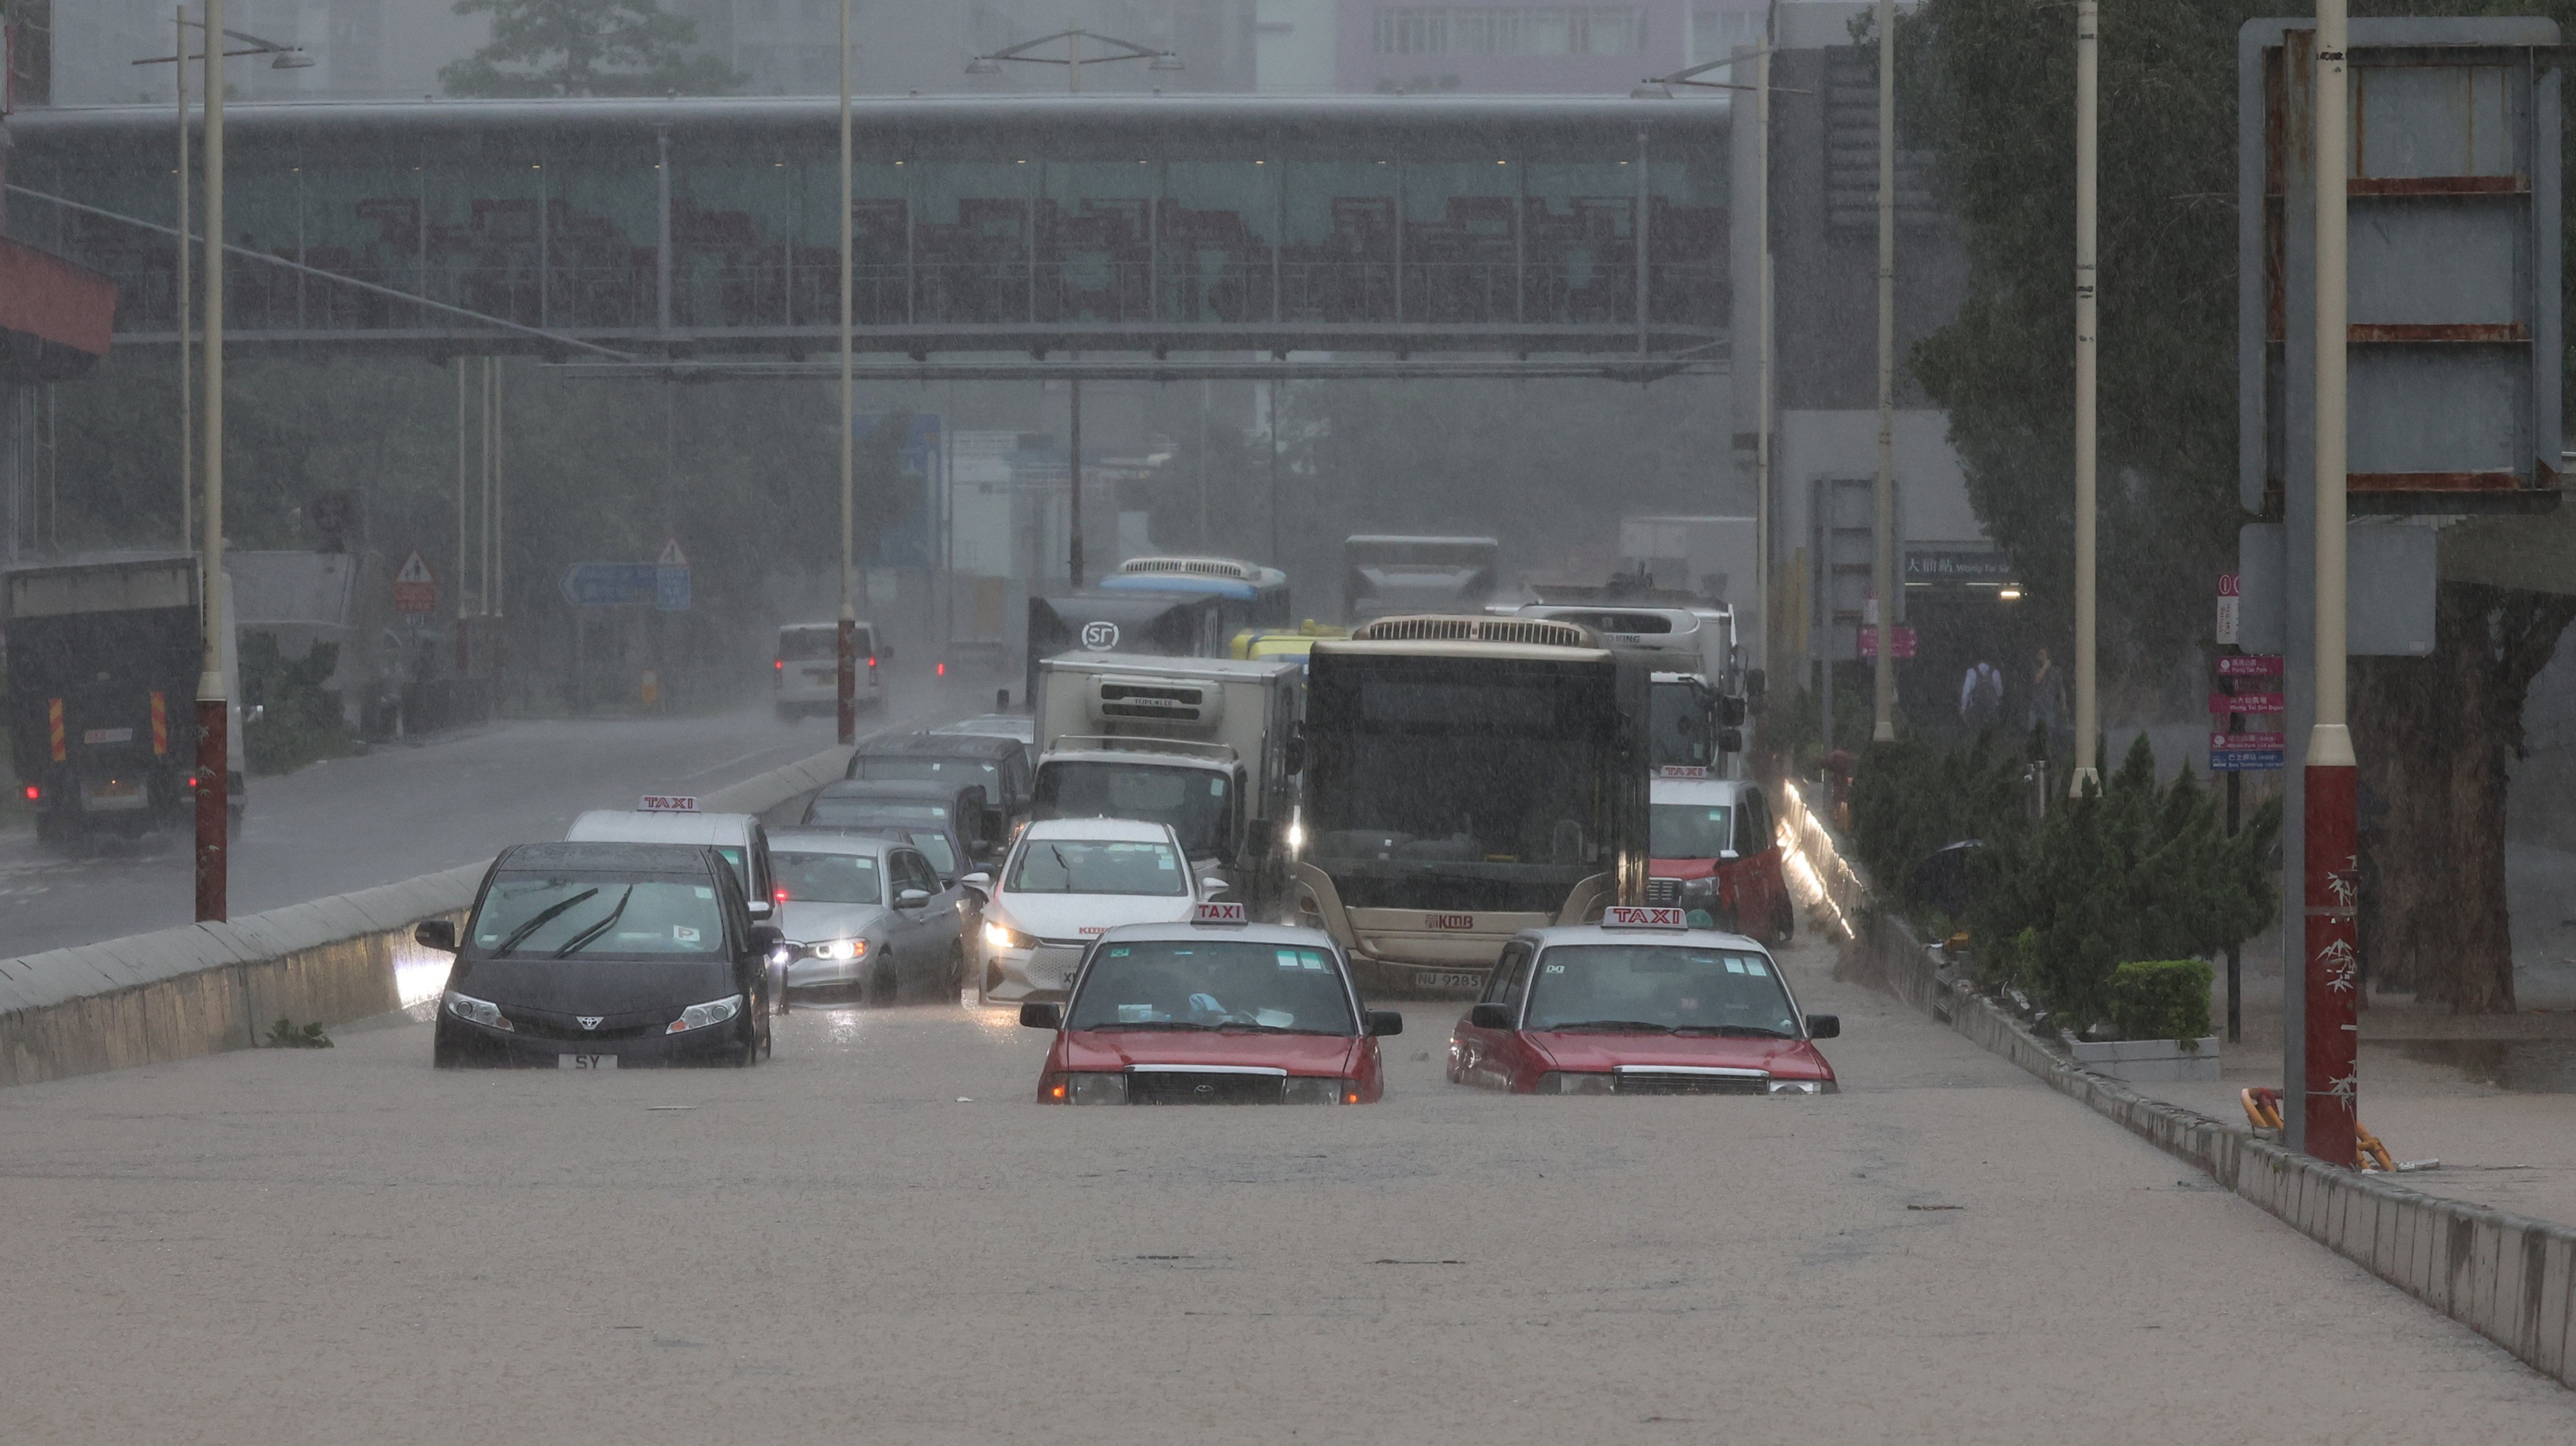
(872, 663)
(779, 663)
(941, 670)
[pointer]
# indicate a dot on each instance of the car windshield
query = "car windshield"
(825, 878)
(1197, 802)
(1662, 987)
(1680, 715)
(1691, 830)
(1098, 866)
(934, 845)
(1211, 984)
(915, 768)
(554, 916)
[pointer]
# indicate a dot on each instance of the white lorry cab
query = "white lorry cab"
(1201, 744)
(1699, 681)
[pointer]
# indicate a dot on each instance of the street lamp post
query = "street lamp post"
(1883, 528)
(187, 422)
(2081, 775)
(214, 740)
(846, 648)
(2331, 972)
(1072, 60)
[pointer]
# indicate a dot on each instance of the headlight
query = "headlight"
(1310, 1090)
(1003, 936)
(701, 1016)
(1802, 1087)
(1556, 1083)
(837, 950)
(1088, 1089)
(479, 1011)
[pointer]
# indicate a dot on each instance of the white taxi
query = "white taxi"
(1066, 882)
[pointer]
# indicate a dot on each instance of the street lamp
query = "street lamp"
(845, 649)
(1072, 60)
(214, 752)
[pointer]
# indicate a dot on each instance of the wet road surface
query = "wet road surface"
(875, 1237)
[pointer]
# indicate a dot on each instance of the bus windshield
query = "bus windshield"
(1459, 783)
(1684, 730)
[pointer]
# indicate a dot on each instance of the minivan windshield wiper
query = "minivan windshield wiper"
(581, 940)
(544, 917)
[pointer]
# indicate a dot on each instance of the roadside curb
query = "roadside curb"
(2507, 1277)
(205, 988)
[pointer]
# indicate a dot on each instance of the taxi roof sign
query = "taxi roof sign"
(1682, 770)
(666, 803)
(1220, 913)
(1628, 916)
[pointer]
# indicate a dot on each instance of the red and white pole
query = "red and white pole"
(2332, 984)
(214, 750)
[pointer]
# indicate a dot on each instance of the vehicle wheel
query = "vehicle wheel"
(956, 973)
(883, 988)
(445, 1053)
(1784, 925)
(750, 1050)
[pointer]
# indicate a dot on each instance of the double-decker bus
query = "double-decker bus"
(1467, 778)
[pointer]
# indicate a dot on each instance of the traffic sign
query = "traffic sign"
(610, 584)
(2250, 665)
(1904, 641)
(2244, 760)
(2230, 742)
(2247, 703)
(671, 578)
(415, 586)
(2229, 611)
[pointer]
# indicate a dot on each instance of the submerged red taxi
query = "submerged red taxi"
(1640, 1004)
(1214, 1011)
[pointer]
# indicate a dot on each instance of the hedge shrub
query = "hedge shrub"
(2160, 999)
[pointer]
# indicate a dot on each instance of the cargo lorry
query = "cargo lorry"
(104, 654)
(1202, 744)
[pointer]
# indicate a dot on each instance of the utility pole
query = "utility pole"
(1762, 502)
(1073, 479)
(1883, 529)
(214, 737)
(2331, 964)
(187, 402)
(2081, 774)
(846, 688)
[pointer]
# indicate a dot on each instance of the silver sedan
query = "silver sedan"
(867, 918)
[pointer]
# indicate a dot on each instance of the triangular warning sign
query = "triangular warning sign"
(415, 568)
(671, 556)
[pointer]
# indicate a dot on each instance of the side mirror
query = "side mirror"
(762, 908)
(1258, 836)
(979, 881)
(1755, 683)
(912, 898)
(1292, 755)
(1384, 1022)
(1730, 711)
(1730, 740)
(1824, 1026)
(438, 934)
(1490, 1016)
(1041, 1016)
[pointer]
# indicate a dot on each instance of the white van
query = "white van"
(806, 671)
(737, 836)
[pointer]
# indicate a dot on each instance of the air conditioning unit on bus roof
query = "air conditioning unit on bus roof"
(1225, 567)
(1179, 704)
(1449, 628)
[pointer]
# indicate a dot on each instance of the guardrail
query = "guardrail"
(2509, 1278)
(206, 988)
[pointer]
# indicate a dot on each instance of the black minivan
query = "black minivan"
(597, 955)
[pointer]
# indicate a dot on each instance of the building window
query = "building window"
(1511, 30)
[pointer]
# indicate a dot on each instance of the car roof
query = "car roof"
(1694, 790)
(831, 627)
(607, 856)
(1596, 934)
(832, 841)
(1280, 934)
(1111, 830)
(626, 826)
(1017, 729)
(941, 745)
(903, 790)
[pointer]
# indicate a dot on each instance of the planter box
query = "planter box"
(2150, 1061)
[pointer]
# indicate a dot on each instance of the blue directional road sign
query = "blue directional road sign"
(2244, 760)
(614, 584)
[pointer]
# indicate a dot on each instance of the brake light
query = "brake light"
(872, 662)
(779, 894)
(34, 793)
(779, 663)
(943, 670)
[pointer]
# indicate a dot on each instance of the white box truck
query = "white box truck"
(1203, 744)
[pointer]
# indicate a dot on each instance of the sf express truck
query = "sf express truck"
(103, 660)
(1467, 778)
(1202, 744)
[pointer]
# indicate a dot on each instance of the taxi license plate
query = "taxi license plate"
(585, 1061)
(1448, 981)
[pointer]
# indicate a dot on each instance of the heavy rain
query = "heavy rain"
(1921, 584)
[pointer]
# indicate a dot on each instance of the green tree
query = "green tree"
(1991, 84)
(585, 47)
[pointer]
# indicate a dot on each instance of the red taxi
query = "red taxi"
(1640, 1003)
(1214, 1011)
(1715, 852)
